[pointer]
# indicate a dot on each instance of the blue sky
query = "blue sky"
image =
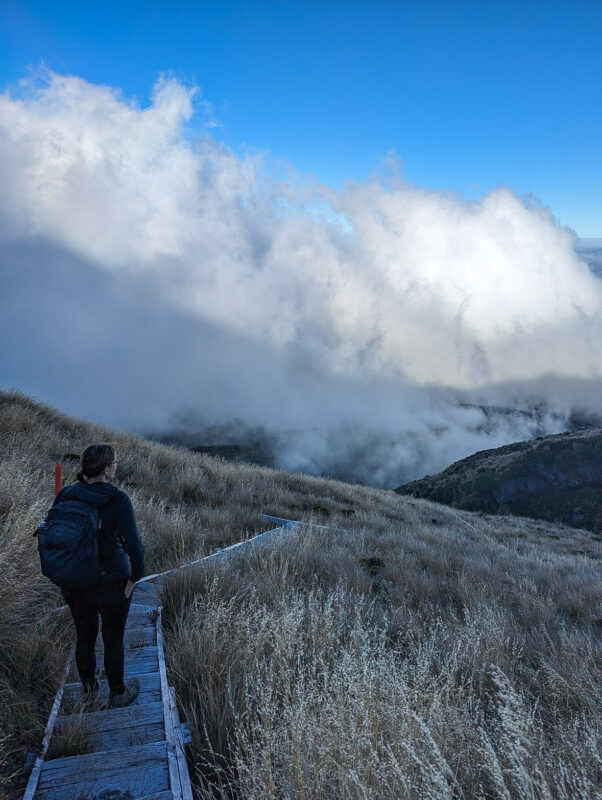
(469, 95)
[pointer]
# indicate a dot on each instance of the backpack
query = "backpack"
(68, 544)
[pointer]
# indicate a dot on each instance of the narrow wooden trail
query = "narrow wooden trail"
(122, 753)
(132, 753)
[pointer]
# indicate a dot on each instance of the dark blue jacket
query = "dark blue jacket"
(120, 548)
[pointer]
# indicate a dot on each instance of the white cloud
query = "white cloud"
(363, 295)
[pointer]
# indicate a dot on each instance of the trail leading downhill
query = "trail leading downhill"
(125, 753)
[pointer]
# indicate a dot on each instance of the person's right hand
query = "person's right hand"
(129, 588)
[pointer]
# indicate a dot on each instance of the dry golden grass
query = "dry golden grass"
(415, 651)
(458, 669)
(71, 738)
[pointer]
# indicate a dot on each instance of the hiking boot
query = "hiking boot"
(128, 695)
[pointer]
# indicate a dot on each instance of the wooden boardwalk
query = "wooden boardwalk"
(120, 753)
(132, 753)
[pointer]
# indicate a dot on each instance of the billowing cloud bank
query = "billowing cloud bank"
(148, 275)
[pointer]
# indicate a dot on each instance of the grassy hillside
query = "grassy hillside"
(414, 651)
(556, 478)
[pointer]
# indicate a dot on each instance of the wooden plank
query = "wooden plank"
(284, 524)
(135, 636)
(287, 524)
(138, 610)
(115, 718)
(149, 600)
(140, 770)
(130, 782)
(141, 617)
(140, 623)
(137, 661)
(170, 733)
(147, 592)
(36, 772)
(146, 587)
(141, 665)
(161, 796)
(150, 691)
(118, 739)
(261, 538)
(155, 577)
(186, 788)
(130, 737)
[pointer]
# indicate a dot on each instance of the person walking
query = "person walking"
(121, 555)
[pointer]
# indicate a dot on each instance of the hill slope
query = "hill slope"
(556, 478)
(407, 650)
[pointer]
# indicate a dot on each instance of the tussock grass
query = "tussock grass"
(412, 651)
(372, 664)
(72, 737)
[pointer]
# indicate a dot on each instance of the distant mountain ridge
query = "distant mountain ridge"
(557, 478)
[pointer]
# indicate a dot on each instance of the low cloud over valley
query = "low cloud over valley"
(153, 279)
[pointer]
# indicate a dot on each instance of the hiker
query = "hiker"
(121, 556)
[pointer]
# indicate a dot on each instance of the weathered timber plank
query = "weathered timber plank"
(288, 524)
(131, 734)
(161, 796)
(115, 718)
(140, 625)
(140, 666)
(130, 737)
(139, 611)
(150, 691)
(59, 769)
(150, 602)
(146, 593)
(141, 586)
(141, 617)
(284, 524)
(135, 636)
(140, 770)
(141, 620)
(34, 776)
(185, 787)
(138, 660)
(128, 784)
(170, 734)
(122, 739)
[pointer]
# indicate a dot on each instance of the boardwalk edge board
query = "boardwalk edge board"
(37, 768)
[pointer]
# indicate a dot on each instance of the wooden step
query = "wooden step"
(150, 691)
(140, 770)
(141, 612)
(147, 594)
(137, 661)
(114, 729)
(135, 636)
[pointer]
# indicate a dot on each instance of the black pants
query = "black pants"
(108, 600)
